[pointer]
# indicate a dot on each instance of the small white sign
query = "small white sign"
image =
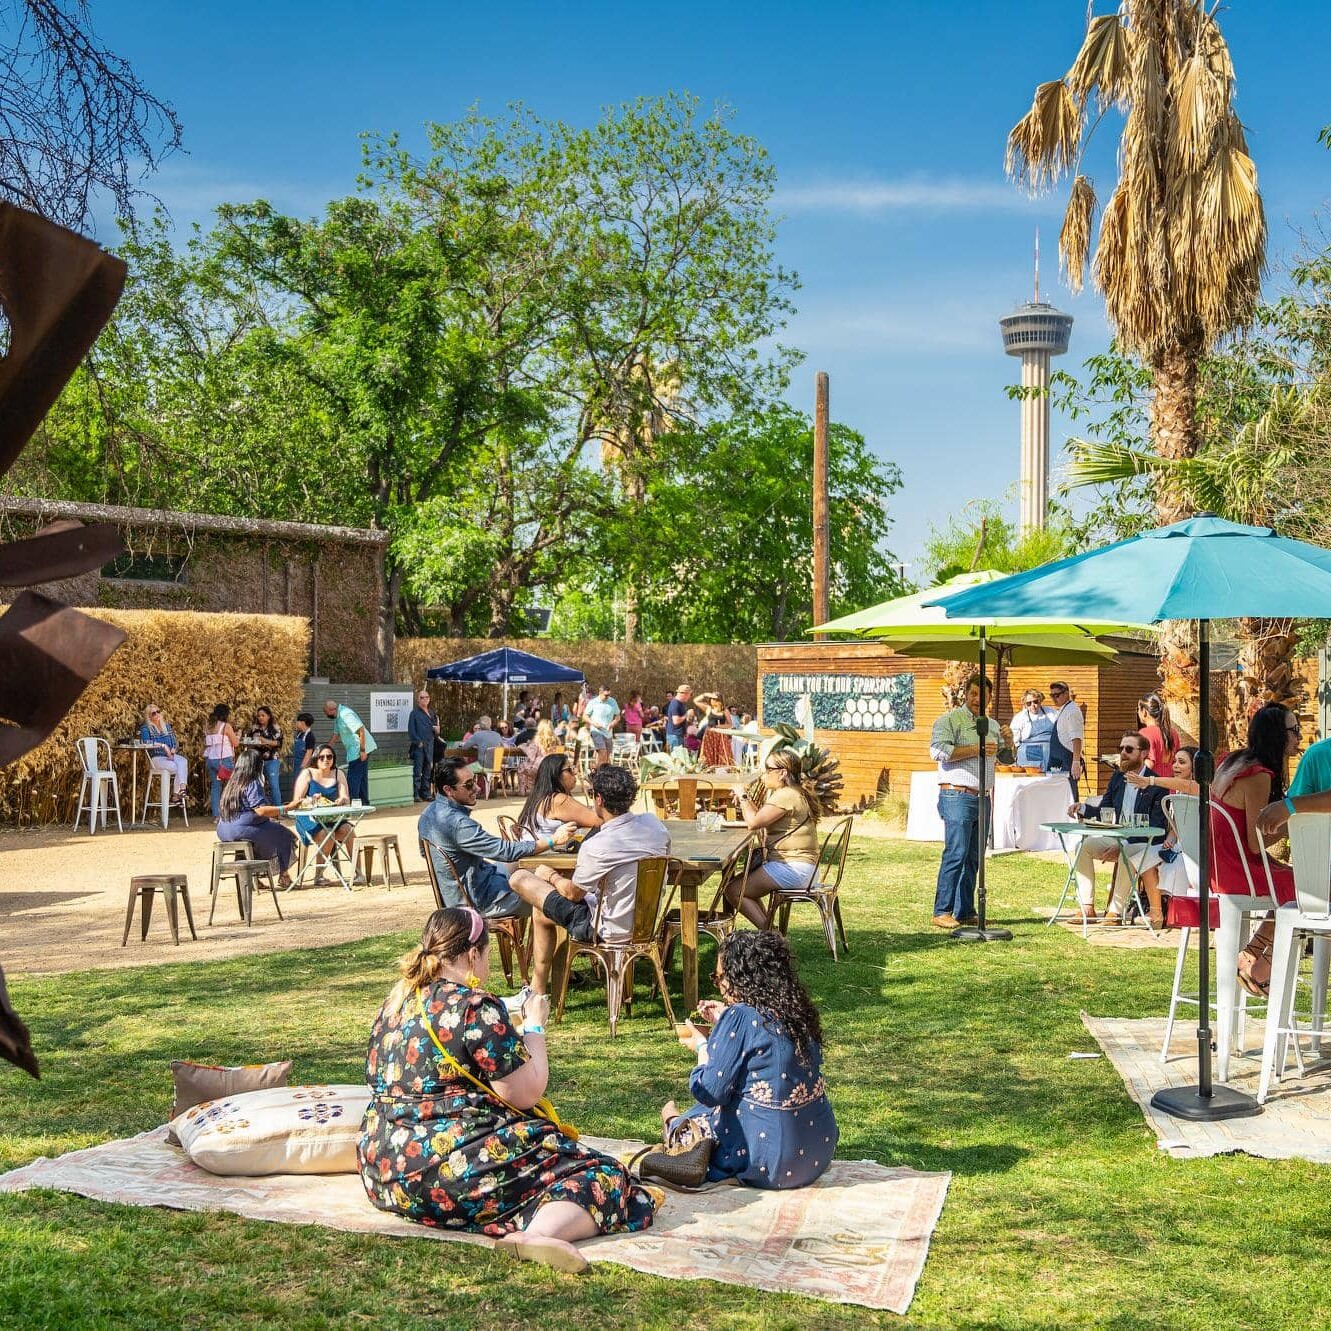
(389, 709)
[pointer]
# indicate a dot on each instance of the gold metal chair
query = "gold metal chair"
(823, 889)
(508, 828)
(510, 931)
(656, 882)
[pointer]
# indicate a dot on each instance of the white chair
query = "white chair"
(1237, 912)
(163, 776)
(1183, 812)
(99, 782)
(1308, 916)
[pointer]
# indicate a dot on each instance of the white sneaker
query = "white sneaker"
(518, 1001)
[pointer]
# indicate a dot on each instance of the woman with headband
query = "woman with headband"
(454, 1135)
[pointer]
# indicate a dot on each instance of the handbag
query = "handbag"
(543, 1108)
(681, 1159)
(224, 773)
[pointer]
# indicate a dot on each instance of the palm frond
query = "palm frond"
(1074, 240)
(1102, 65)
(1231, 240)
(1043, 143)
(1200, 101)
(1103, 462)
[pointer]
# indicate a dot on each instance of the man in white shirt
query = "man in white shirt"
(606, 874)
(602, 713)
(955, 747)
(1069, 735)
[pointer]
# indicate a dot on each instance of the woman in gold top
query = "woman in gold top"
(789, 817)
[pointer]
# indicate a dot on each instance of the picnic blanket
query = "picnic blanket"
(859, 1235)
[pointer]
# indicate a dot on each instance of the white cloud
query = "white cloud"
(874, 198)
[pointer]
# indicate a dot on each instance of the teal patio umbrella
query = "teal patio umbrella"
(914, 626)
(1204, 568)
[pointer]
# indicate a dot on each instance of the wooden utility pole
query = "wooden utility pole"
(820, 524)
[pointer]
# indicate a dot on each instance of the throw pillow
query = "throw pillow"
(197, 1082)
(284, 1130)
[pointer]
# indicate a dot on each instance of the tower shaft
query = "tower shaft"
(1034, 440)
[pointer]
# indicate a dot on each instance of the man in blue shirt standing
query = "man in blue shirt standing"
(358, 743)
(602, 713)
(676, 717)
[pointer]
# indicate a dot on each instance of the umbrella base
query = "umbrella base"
(1224, 1102)
(973, 934)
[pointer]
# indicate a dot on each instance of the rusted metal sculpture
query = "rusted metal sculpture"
(58, 290)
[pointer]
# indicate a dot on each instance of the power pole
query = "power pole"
(820, 524)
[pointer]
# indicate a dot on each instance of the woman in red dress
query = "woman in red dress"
(716, 750)
(1247, 781)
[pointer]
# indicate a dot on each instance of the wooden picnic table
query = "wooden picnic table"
(701, 854)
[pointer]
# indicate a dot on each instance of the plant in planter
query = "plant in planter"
(677, 762)
(390, 781)
(818, 764)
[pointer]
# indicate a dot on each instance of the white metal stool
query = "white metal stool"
(99, 785)
(164, 777)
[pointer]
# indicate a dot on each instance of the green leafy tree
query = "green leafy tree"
(723, 548)
(978, 536)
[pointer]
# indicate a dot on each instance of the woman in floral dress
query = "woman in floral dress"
(451, 1140)
(759, 1083)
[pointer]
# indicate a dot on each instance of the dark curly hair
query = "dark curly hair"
(760, 970)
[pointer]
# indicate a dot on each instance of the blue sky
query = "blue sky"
(886, 122)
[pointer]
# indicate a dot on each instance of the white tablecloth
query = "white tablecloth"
(1021, 804)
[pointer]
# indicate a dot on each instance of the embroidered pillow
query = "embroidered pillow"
(196, 1082)
(283, 1130)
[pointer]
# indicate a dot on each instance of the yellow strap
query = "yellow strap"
(543, 1108)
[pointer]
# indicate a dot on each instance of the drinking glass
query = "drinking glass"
(357, 802)
(1108, 817)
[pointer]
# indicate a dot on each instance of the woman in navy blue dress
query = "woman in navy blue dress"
(245, 814)
(759, 1084)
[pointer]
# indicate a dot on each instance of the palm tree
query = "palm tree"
(1183, 235)
(1268, 474)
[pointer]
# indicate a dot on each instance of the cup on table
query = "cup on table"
(1108, 817)
(357, 803)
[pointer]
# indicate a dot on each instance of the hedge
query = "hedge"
(187, 663)
(655, 668)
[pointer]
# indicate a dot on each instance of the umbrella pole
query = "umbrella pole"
(1204, 1102)
(981, 933)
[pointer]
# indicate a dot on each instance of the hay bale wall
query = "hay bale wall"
(656, 668)
(185, 662)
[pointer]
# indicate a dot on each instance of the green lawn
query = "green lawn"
(1062, 1212)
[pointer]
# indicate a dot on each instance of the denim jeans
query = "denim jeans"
(272, 772)
(420, 770)
(358, 780)
(955, 893)
(214, 782)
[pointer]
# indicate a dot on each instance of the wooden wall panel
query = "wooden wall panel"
(872, 761)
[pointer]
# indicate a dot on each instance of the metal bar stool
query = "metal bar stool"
(383, 842)
(144, 888)
(246, 874)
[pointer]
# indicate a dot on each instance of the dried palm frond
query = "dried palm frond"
(1213, 46)
(1200, 102)
(1231, 239)
(1103, 64)
(1043, 143)
(1074, 240)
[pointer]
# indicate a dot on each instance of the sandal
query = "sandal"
(1255, 969)
(1112, 918)
(1156, 919)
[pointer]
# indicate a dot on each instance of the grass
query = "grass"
(1062, 1212)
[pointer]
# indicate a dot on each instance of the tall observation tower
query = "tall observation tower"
(1035, 331)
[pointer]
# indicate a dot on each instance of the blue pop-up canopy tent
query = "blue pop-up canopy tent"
(506, 665)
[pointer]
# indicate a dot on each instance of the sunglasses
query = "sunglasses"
(327, 757)
(154, 712)
(768, 767)
(1129, 748)
(465, 785)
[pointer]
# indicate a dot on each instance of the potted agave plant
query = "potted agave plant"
(818, 764)
(675, 762)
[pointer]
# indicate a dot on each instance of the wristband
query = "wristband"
(1289, 804)
(549, 843)
(529, 1029)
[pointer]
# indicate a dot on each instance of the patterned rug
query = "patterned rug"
(860, 1235)
(1295, 1122)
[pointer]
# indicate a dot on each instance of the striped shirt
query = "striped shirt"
(954, 730)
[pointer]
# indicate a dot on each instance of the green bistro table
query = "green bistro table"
(328, 815)
(1077, 832)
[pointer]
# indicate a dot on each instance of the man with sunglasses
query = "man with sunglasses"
(1068, 737)
(1127, 801)
(459, 845)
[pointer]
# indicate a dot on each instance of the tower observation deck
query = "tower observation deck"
(1035, 331)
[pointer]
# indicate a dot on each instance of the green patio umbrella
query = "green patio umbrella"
(1203, 568)
(913, 626)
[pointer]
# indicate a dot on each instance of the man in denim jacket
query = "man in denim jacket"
(460, 848)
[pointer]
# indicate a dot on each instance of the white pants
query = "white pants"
(1094, 848)
(177, 765)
